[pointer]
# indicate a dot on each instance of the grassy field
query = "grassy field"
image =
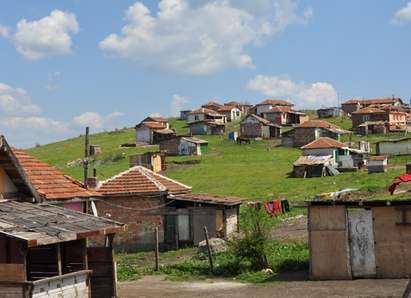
(254, 171)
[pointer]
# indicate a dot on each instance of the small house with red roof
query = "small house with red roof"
(244, 107)
(152, 130)
(268, 104)
(212, 105)
(309, 131)
(206, 114)
(144, 200)
(232, 113)
(285, 115)
(363, 120)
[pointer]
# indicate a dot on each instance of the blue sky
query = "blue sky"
(67, 64)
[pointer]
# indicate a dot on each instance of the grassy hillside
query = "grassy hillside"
(250, 171)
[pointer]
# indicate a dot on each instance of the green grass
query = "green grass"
(251, 171)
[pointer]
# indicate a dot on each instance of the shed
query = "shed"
(187, 215)
(394, 147)
(206, 127)
(313, 166)
(254, 126)
(44, 253)
(372, 127)
(329, 112)
(152, 132)
(183, 145)
(232, 113)
(357, 238)
(155, 161)
(377, 164)
(184, 114)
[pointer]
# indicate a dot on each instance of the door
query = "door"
(100, 260)
(362, 253)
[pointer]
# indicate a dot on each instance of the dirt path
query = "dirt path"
(156, 287)
(294, 229)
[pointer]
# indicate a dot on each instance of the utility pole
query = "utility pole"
(86, 155)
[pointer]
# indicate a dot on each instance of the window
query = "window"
(196, 117)
(366, 118)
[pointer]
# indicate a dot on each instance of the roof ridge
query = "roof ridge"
(147, 173)
(172, 180)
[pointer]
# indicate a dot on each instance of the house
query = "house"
(329, 112)
(312, 166)
(212, 105)
(244, 107)
(182, 145)
(372, 127)
(184, 114)
(206, 114)
(358, 238)
(254, 126)
(377, 164)
(152, 130)
(325, 146)
(309, 131)
(394, 120)
(394, 147)
(144, 200)
(268, 104)
(356, 104)
(155, 161)
(206, 127)
(284, 115)
(232, 113)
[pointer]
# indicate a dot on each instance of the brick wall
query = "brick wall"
(251, 130)
(140, 232)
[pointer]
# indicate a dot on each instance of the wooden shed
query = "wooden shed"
(254, 126)
(181, 145)
(44, 253)
(359, 239)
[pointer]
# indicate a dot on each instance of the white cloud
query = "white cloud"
(4, 31)
(303, 95)
(97, 121)
(16, 101)
(199, 37)
(34, 123)
(53, 81)
(178, 103)
(403, 15)
(49, 36)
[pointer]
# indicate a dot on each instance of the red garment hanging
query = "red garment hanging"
(397, 181)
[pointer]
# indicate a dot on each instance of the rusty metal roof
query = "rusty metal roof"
(209, 199)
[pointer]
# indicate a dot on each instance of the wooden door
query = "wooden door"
(362, 253)
(100, 260)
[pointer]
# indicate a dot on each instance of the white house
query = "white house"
(268, 104)
(231, 112)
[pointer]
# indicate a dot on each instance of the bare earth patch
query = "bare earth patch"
(291, 229)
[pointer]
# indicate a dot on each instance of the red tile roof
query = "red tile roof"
(388, 100)
(368, 111)
(209, 199)
(140, 180)
(323, 143)
(377, 157)
(152, 125)
(262, 120)
(155, 119)
(212, 103)
(226, 109)
(50, 183)
(279, 109)
(275, 102)
(318, 124)
(205, 111)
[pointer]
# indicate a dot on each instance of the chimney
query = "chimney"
(92, 182)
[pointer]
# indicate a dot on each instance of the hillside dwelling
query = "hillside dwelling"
(232, 113)
(353, 105)
(268, 104)
(184, 114)
(44, 252)
(151, 132)
(313, 166)
(206, 114)
(136, 197)
(244, 107)
(184, 146)
(377, 164)
(212, 105)
(309, 131)
(372, 127)
(284, 115)
(393, 120)
(187, 214)
(254, 126)
(356, 238)
(206, 127)
(154, 161)
(329, 112)
(394, 147)
(32, 180)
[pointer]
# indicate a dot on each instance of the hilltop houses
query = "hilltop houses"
(152, 130)
(244, 107)
(268, 104)
(232, 113)
(329, 112)
(212, 105)
(183, 145)
(285, 116)
(206, 114)
(353, 105)
(309, 131)
(253, 126)
(206, 127)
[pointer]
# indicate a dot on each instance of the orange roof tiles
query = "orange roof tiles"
(152, 125)
(49, 182)
(323, 143)
(318, 124)
(275, 102)
(205, 111)
(368, 111)
(279, 109)
(388, 100)
(209, 199)
(226, 109)
(140, 180)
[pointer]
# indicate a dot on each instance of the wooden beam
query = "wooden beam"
(59, 260)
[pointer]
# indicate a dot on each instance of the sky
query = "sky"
(109, 63)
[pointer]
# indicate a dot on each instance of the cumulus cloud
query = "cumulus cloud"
(199, 37)
(95, 120)
(178, 103)
(302, 94)
(16, 101)
(403, 15)
(35, 123)
(48, 36)
(4, 31)
(53, 81)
